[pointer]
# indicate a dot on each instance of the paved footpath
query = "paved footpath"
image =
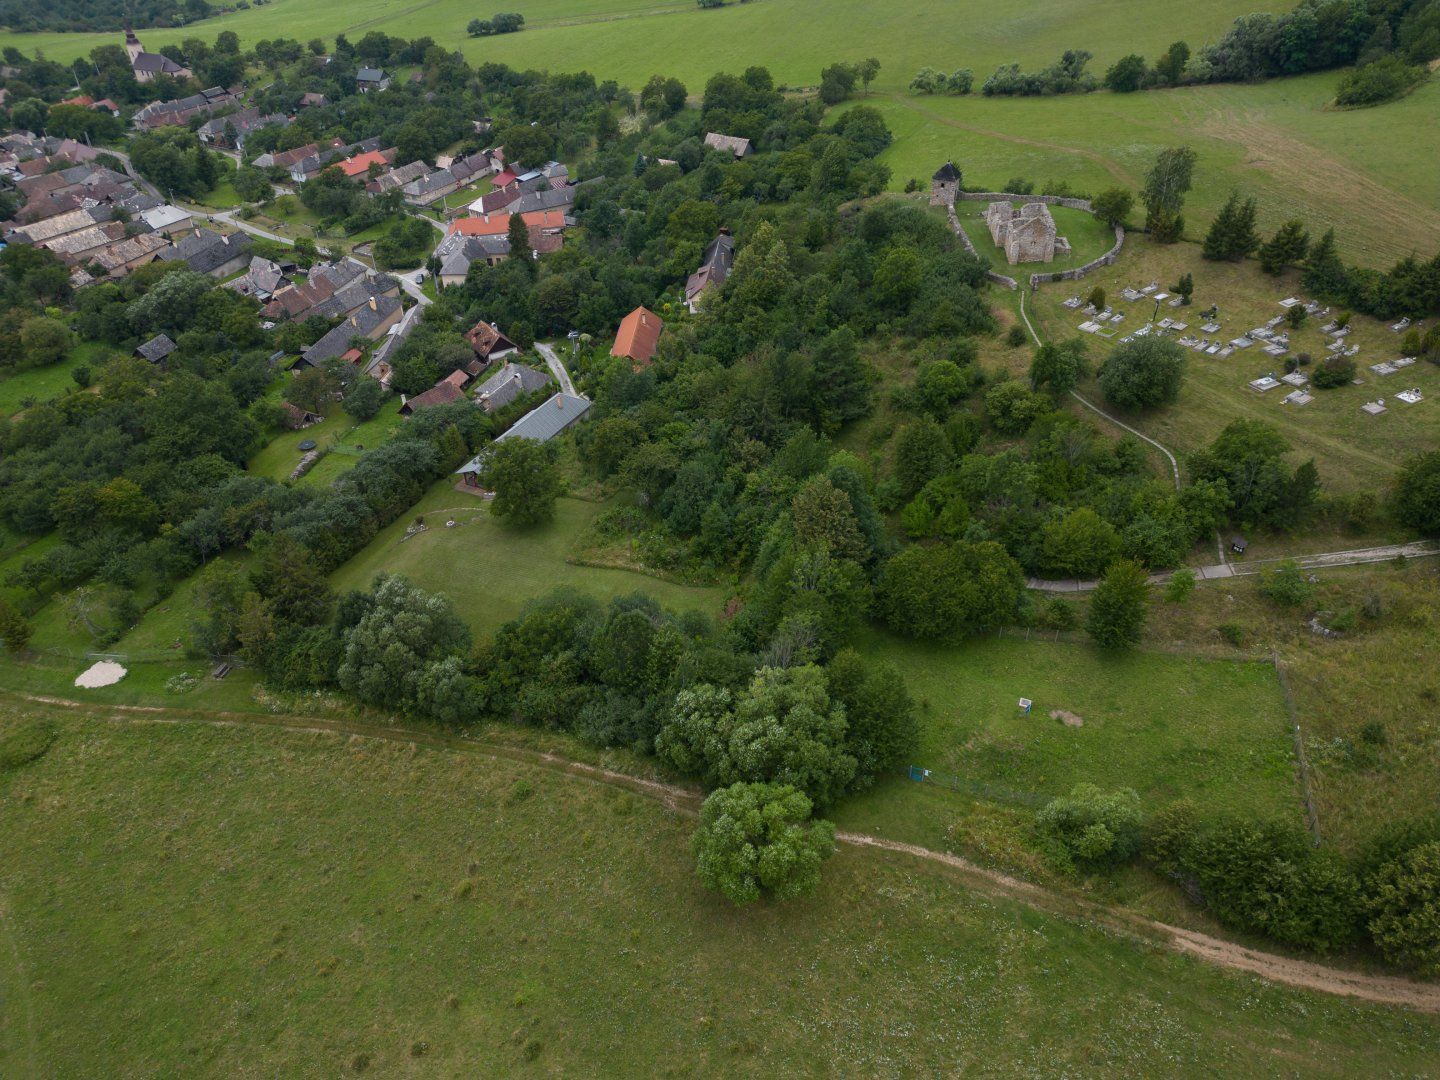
(1420, 549)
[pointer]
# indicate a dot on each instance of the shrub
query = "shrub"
(1374, 84)
(1117, 611)
(1287, 585)
(1143, 373)
(1180, 586)
(1402, 904)
(1333, 371)
(1415, 497)
(1091, 829)
(1016, 336)
(753, 841)
(1233, 633)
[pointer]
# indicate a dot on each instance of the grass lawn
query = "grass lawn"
(229, 902)
(337, 432)
(1089, 238)
(1168, 726)
(490, 570)
(38, 384)
(1353, 450)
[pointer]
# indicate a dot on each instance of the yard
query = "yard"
(25, 386)
(1353, 450)
(253, 898)
(490, 571)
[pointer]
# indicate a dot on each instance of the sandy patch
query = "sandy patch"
(102, 673)
(1069, 719)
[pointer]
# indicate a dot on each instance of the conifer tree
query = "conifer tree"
(1325, 275)
(1232, 236)
(1288, 247)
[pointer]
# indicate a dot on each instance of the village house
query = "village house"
(731, 144)
(540, 424)
(165, 219)
(75, 247)
(638, 337)
(488, 343)
(714, 268)
(296, 418)
(369, 322)
(262, 280)
(230, 132)
(156, 349)
(181, 111)
(447, 390)
(368, 78)
(119, 258)
(397, 178)
(208, 252)
(511, 382)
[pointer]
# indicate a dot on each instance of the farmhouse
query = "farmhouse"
(447, 390)
(368, 78)
(638, 337)
(166, 219)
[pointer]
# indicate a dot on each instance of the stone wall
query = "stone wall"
(1080, 271)
(998, 279)
(1050, 200)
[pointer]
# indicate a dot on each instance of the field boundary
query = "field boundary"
(1304, 974)
(1302, 765)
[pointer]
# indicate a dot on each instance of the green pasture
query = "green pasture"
(1353, 450)
(1362, 171)
(630, 40)
(1169, 726)
(246, 901)
(490, 570)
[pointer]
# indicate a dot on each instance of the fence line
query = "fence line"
(991, 792)
(1307, 791)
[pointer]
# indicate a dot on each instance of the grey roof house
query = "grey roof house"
(509, 383)
(156, 349)
(208, 252)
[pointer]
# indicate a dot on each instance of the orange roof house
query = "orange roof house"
(638, 336)
(360, 164)
(499, 224)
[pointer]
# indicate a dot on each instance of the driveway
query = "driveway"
(556, 367)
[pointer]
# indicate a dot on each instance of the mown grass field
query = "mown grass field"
(1364, 171)
(490, 571)
(1089, 238)
(250, 902)
(1168, 726)
(1353, 450)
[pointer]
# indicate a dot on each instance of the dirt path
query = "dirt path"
(1174, 465)
(1383, 989)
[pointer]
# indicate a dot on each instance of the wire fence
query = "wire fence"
(1307, 790)
(980, 789)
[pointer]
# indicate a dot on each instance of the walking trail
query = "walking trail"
(1382, 989)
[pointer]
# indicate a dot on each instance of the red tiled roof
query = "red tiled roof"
(638, 336)
(361, 163)
(499, 224)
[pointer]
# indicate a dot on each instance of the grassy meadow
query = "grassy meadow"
(248, 911)
(1353, 450)
(1168, 726)
(1359, 170)
(490, 571)
(40, 384)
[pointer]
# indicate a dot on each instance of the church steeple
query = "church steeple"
(133, 48)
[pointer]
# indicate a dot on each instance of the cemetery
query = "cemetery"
(1259, 348)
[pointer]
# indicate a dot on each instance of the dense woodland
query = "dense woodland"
(26, 16)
